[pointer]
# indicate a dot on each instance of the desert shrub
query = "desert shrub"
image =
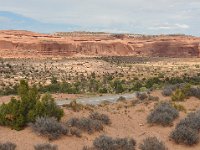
(163, 114)
(143, 89)
(152, 143)
(141, 95)
(178, 95)
(187, 129)
(101, 117)
(85, 124)
(186, 88)
(179, 107)
(118, 86)
(7, 146)
(17, 113)
(185, 135)
(195, 92)
(151, 81)
(103, 90)
(191, 121)
(108, 143)
(45, 107)
(76, 132)
(168, 90)
(49, 127)
(137, 86)
(175, 80)
(45, 147)
(75, 106)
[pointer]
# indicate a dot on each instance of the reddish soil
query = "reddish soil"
(126, 122)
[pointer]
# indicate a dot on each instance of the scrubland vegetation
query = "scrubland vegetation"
(108, 143)
(114, 74)
(152, 143)
(34, 108)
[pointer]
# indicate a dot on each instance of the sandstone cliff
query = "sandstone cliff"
(29, 44)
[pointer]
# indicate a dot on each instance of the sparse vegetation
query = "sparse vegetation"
(49, 127)
(45, 147)
(93, 123)
(141, 95)
(185, 135)
(163, 114)
(179, 107)
(187, 129)
(7, 146)
(152, 143)
(168, 90)
(85, 124)
(101, 117)
(76, 132)
(194, 92)
(108, 143)
(178, 95)
(121, 75)
(18, 112)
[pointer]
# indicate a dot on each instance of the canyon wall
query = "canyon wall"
(29, 44)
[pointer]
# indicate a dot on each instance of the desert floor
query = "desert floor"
(127, 121)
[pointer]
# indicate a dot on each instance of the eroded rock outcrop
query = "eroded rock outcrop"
(29, 44)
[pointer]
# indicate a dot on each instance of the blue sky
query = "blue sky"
(132, 16)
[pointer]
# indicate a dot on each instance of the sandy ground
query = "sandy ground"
(126, 122)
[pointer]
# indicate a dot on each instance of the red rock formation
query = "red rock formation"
(29, 44)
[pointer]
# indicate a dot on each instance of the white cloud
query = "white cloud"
(127, 15)
(182, 26)
(168, 26)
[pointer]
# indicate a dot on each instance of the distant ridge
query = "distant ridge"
(15, 43)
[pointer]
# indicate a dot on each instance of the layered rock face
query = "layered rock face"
(29, 44)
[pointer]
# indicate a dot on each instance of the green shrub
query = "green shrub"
(179, 107)
(143, 89)
(137, 85)
(118, 86)
(178, 95)
(45, 107)
(151, 81)
(17, 113)
(103, 90)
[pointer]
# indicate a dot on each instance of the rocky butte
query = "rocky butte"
(16, 44)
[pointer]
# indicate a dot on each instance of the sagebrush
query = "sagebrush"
(163, 114)
(49, 127)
